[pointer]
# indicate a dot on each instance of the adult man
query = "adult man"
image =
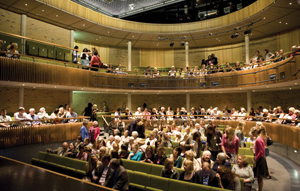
(206, 176)
(43, 115)
(172, 72)
(61, 151)
(20, 116)
(32, 116)
(202, 112)
(125, 137)
(72, 114)
(255, 58)
(148, 71)
(138, 113)
(214, 59)
(118, 179)
(4, 119)
(132, 126)
(104, 171)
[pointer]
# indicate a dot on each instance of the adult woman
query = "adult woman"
(194, 141)
(12, 49)
(178, 137)
(205, 158)
(196, 71)
(221, 161)
(214, 139)
(135, 154)
(237, 66)
(155, 72)
(128, 114)
(82, 155)
(183, 148)
(160, 156)
(261, 169)
(123, 107)
(92, 164)
(189, 155)
(227, 179)
(228, 67)
(94, 112)
(219, 69)
(72, 152)
(104, 107)
(170, 114)
(124, 152)
(244, 171)
(230, 144)
(96, 146)
(257, 114)
(166, 141)
(78, 142)
(239, 132)
(151, 139)
(169, 171)
(203, 70)
(55, 117)
(148, 155)
(62, 114)
(188, 175)
(94, 131)
(251, 114)
(95, 62)
(176, 157)
(84, 59)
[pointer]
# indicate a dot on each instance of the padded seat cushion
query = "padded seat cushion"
(159, 182)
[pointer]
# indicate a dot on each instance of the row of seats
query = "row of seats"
(7, 40)
(64, 165)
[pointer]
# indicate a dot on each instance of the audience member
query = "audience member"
(5, 119)
(172, 72)
(188, 174)
(214, 140)
(95, 62)
(206, 176)
(84, 132)
(61, 151)
(230, 144)
(227, 179)
(2, 50)
(243, 170)
(82, 155)
(12, 51)
(268, 55)
(118, 178)
(43, 115)
(103, 172)
(78, 142)
(189, 155)
(160, 156)
(239, 132)
(148, 155)
(221, 161)
(169, 171)
(124, 152)
(94, 131)
(72, 114)
(135, 154)
(175, 156)
(20, 116)
(72, 152)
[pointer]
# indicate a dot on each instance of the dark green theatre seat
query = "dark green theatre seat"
(60, 55)
(43, 52)
(156, 169)
(175, 185)
(144, 167)
(68, 55)
(193, 187)
(6, 41)
(129, 164)
(31, 48)
(158, 182)
(50, 51)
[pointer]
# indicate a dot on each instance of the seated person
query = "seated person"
(155, 73)
(228, 179)
(103, 172)
(12, 51)
(32, 116)
(87, 142)
(178, 136)
(142, 145)
(176, 157)
(169, 171)
(118, 178)
(151, 139)
(206, 158)
(206, 176)
(255, 58)
(61, 151)
(91, 167)
(110, 141)
(160, 156)
(125, 137)
(189, 174)
(130, 143)
(82, 155)
(20, 116)
(78, 142)
(4, 119)
(124, 152)
(172, 72)
(128, 114)
(135, 154)
(166, 142)
(148, 155)
(43, 115)
(72, 152)
(190, 155)
(72, 114)
(2, 53)
(148, 71)
(221, 161)
(237, 66)
(243, 170)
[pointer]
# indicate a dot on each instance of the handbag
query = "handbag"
(269, 141)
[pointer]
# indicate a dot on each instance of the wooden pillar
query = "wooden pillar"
(129, 56)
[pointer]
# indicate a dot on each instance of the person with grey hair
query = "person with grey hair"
(172, 72)
(221, 161)
(125, 137)
(84, 132)
(110, 141)
(61, 151)
(94, 131)
(116, 132)
(130, 143)
(32, 116)
(135, 135)
(43, 115)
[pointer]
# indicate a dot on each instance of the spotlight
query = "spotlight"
(235, 35)
(182, 44)
(247, 31)
(171, 44)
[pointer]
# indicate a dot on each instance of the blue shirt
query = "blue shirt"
(137, 156)
(73, 115)
(32, 117)
(84, 133)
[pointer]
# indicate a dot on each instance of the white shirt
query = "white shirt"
(172, 73)
(152, 142)
(138, 114)
(103, 176)
(125, 139)
(19, 117)
(5, 118)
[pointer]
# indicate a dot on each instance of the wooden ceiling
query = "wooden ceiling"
(279, 17)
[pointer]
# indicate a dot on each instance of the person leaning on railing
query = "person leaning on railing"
(2, 50)
(172, 72)
(4, 119)
(12, 51)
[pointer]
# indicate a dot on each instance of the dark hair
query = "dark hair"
(257, 51)
(79, 138)
(267, 50)
(76, 47)
(119, 109)
(115, 162)
(227, 176)
(106, 157)
(83, 56)
(178, 149)
(90, 105)
(196, 135)
(3, 110)
(81, 147)
(124, 147)
(95, 53)
(56, 111)
(114, 154)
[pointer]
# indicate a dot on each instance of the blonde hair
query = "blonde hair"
(189, 154)
(168, 161)
(189, 164)
(230, 133)
(241, 126)
(12, 46)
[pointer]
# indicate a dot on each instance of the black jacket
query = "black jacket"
(213, 181)
(122, 180)
(98, 173)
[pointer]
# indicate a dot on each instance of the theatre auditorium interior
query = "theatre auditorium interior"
(150, 95)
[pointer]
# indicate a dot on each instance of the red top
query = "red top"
(95, 61)
(259, 148)
(233, 147)
(97, 132)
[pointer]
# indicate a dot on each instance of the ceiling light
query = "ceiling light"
(279, 22)
(290, 88)
(290, 3)
(216, 38)
(264, 17)
(54, 86)
(96, 39)
(43, 10)
(23, 84)
(295, 83)
(219, 40)
(26, 4)
(295, 151)
(56, 15)
(107, 31)
(132, 36)
(247, 31)
(286, 23)
(83, 25)
(267, 86)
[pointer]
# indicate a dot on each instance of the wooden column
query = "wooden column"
(129, 56)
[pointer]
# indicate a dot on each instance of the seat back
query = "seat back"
(42, 155)
(129, 164)
(131, 175)
(193, 187)
(144, 167)
(141, 178)
(159, 182)
(156, 169)
(175, 185)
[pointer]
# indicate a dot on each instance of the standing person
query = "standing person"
(75, 55)
(84, 59)
(95, 62)
(145, 104)
(260, 169)
(214, 140)
(230, 145)
(118, 179)
(88, 111)
(94, 131)
(84, 132)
